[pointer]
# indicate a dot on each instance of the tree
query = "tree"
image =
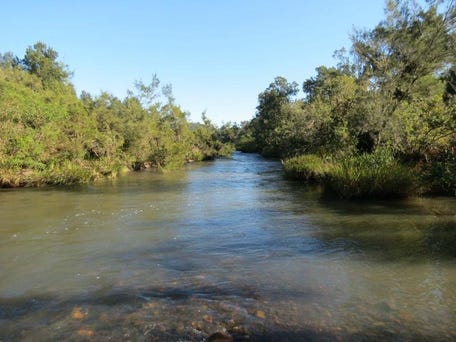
(402, 60)
(270, 115)
(49, 135)
(9, 60)
(41, 60)
(333, 106)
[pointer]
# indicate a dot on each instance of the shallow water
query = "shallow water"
(223, 246)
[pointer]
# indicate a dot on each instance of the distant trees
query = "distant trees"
(49, 135)
(272, 117)
(394, 91)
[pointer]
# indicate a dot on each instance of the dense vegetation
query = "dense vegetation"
(381, 123)
(49, 135)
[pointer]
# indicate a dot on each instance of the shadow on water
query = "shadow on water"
(376, 230)
(416, 242)
(392, 232)
(416, 229)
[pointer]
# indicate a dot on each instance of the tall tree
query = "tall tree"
(41, 60)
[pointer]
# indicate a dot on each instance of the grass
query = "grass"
(310, 168)
(375, 175)
(372, 176)
(63, 173)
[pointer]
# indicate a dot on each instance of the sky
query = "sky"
(218, 55)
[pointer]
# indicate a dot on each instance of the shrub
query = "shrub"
(440, 173)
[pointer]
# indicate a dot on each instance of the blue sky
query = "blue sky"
(218, 54)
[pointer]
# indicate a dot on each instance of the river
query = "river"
(225, 246)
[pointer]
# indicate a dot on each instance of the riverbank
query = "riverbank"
(375, 175)
(51, 136)
(71, 173)
(381, 123)
(67, 174)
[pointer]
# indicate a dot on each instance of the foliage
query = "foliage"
(41, 60)
(50, 136)
(270, 115)
(439, 173)
(211, 142)
(394, 91)
(245, 140)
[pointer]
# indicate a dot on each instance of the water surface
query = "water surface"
(223, 246)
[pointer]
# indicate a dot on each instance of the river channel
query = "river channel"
(226, 246)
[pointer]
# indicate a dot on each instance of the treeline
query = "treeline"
(49, 135)
(381, 123)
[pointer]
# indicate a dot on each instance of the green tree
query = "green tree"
(49, 135)
(394, 93)
(402, 60)
(333, 105)
(270, 115)
(41, 60)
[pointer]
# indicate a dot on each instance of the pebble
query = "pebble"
(197, 325)
(240, 330)
(77, 313)
(86, 332)
(207, 319)
(260, 314)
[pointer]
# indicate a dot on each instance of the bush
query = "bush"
(440, 173)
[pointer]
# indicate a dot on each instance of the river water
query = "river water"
(226, 246)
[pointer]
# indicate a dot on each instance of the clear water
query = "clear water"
(224, 246)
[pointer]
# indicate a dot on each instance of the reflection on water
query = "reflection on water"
(224, 246)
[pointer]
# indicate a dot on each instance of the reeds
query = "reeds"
(373, 175)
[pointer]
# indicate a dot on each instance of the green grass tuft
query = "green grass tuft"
(374, 175)
(310, 168)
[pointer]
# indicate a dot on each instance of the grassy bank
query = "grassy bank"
(373, 175)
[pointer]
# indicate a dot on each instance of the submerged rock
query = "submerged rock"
(220, 337)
